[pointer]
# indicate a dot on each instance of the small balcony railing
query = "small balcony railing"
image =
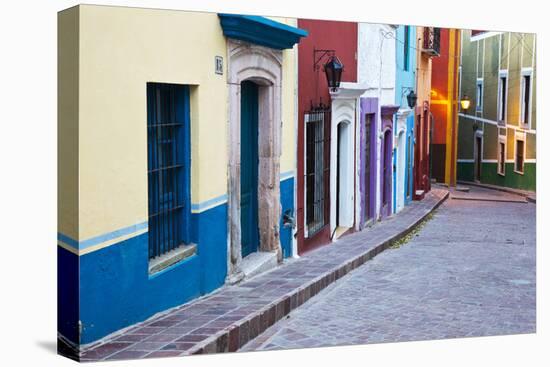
(431, 44)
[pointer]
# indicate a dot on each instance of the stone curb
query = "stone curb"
(241, 332)
(473, 198)
(529, 195)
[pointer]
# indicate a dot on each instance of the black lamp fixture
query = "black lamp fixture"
(333, 68)
(411, 99)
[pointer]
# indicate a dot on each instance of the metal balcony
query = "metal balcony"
(431, 44)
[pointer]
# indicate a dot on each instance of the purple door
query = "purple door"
(386, 161)
(367, 159)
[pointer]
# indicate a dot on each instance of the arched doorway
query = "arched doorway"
(343, 155)
(254, 207)
(344, 176)
(386, 159)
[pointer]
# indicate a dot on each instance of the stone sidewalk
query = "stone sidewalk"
(230, 317)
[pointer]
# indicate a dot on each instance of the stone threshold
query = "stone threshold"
(230, 317)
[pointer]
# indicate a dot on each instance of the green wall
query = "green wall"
(489, 175)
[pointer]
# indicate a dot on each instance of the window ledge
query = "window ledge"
(518, 172)
(172, 257)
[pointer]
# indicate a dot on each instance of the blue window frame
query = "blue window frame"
(168, 166)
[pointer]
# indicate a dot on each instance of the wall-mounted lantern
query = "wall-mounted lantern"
(411, 99)
(465, 102)
(333, 68)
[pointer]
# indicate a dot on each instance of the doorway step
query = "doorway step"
(339, 232)
(258, 262)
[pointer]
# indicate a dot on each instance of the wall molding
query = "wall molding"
(101, 241)
(492, 122)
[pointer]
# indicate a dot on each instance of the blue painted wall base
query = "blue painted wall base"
(287, 204)
(110, 289)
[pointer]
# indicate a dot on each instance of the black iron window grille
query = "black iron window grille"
(167, 166)
(432, 44)
(317, 171)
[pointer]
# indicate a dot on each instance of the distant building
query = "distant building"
(427, 47)
(497, 134)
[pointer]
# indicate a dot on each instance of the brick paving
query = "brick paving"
(229, 318)
(470, 271)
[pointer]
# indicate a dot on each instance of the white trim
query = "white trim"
(478, 134)
(493, 122)
(501, 140)
(467, 160)
(519, 136)
(502, 118)
(528, 71)
(530, 160)
(344, 107)
(477, 60)
(479, 95)
(296, 127)
(483, 35)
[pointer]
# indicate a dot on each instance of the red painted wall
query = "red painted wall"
(312, 86)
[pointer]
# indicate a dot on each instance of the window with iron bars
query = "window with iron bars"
(168, 163)
(317, 173)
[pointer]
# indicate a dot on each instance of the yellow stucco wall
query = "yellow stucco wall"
(67, 128)
(120, 50)
(289, 99)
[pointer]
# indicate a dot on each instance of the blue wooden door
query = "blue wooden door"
(249, 168)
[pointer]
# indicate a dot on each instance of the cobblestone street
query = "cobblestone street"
(470, 271)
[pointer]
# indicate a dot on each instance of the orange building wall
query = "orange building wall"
(444, 106)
